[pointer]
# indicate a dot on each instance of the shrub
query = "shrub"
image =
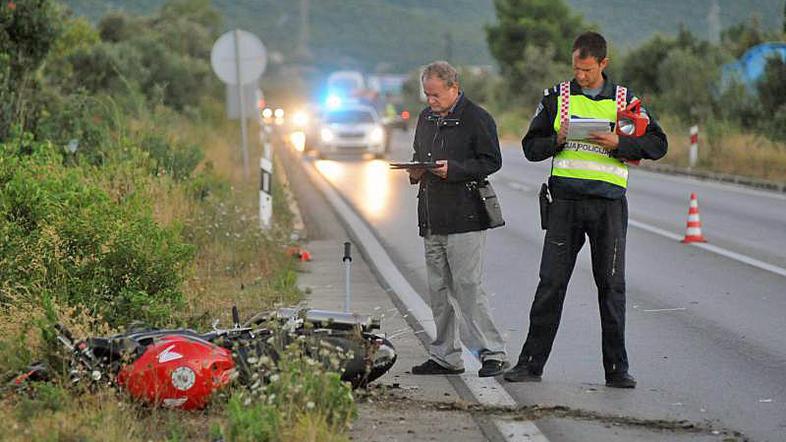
(64, 235)
(302, 395)
(169, 157)
(686, 80)
(251, 421)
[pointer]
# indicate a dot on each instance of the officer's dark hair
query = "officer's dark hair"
(590, 44)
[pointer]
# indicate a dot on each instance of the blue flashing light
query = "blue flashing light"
(333, 101)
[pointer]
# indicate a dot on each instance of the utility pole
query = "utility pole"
(305, 24)
(448, 46)
(714, 23)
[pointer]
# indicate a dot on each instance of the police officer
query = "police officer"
(587, 185)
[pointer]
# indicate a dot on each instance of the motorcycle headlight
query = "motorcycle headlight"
(377, 135)
(384, 356)
(327, 135)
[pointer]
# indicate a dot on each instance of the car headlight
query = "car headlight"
(300, 119)
(377, 135)
(327, 135)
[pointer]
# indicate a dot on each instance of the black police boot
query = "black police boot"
(523, 372)
(620, 380)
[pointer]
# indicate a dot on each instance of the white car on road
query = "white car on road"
(352, 129)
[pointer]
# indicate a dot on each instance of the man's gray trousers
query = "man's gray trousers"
(454, 265)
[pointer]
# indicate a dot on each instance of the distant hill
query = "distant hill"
(395, 35)
(629, 22)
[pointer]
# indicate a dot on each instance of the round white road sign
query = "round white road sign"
(238, 50)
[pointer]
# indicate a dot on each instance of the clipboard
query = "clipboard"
(415, 165)
(580, 128)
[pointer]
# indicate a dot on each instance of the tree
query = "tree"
(743, 36)
(771, 89)
(640, 67)
(27, 32)
(686, 81)
(526, 27)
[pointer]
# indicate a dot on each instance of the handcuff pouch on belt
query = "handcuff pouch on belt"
(545, 201)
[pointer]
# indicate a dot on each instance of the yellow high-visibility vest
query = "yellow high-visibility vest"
(583, 159)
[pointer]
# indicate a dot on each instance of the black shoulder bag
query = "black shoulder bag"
(491, 204)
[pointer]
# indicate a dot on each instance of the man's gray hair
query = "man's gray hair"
(442, 70)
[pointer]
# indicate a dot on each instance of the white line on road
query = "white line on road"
(487, 391)
(729, 187)
(516, 185)
(711, 248)
(658, 310)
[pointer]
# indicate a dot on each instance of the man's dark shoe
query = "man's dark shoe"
(431, 367)
(620, 380)
(491, 368)
(522, 372)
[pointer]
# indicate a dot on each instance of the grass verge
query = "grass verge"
(230, 261)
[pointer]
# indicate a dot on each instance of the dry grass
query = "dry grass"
(726, 150)
(225, 273)
(722, 149)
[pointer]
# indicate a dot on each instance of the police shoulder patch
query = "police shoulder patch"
(538, 110)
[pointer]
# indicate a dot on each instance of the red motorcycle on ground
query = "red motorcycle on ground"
(182, 368)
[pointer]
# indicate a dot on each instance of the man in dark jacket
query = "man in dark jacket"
(462, 139)
(588, 180)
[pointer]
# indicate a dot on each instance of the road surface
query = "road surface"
(706, 330)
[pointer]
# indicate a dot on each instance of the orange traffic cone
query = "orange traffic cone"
(693, 230)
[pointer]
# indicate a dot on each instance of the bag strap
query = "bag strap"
(564, 93)
(622, 98)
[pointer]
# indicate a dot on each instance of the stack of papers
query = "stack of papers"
(580, 128)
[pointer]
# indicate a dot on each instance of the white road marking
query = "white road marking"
(711, 248)
(487, 391)
(516, 185)
(736, 188)
(658, 310)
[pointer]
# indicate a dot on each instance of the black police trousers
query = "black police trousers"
(604, 222)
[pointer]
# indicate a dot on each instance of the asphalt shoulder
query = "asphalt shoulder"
(399, 406)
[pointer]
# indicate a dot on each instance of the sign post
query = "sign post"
(239, 58)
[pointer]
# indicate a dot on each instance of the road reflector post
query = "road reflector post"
(265, 193)
(693, 153)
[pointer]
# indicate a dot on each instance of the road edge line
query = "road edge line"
(753, 262)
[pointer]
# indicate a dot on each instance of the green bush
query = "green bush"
(43, 399)
(171, 158)
(299, 389)
(64, 235)
(685, 79)
(251, 421)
